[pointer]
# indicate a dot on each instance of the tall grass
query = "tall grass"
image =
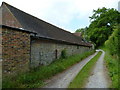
(35, 78)
(80, 80)
(112, 56)
(112, 65)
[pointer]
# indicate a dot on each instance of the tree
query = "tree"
(102, 22)
(83, 33)
(113, 43)
(80, 30)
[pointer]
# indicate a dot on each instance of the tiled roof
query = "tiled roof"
(43, 28)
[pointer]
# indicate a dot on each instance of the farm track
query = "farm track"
(0, 75)
(63, 79)
(99, 77)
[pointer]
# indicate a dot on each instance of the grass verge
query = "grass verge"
(35, 78)
(80, 80)
(112, 65)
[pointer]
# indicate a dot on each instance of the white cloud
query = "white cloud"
(61, 12)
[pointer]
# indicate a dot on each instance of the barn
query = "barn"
(27, 42)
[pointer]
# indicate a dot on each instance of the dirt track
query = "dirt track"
(0, 75)
(99, 77)
(63, 79)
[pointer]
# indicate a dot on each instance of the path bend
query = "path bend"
(99, 77)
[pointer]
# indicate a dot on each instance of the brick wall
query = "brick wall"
(8, 18)
(15, 51)
(43, 52)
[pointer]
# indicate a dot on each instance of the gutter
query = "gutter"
(18, 29)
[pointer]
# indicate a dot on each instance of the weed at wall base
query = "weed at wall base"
(35, 78)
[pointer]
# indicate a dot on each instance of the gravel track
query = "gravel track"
(63, 79)
(0, 75)
(99, 77)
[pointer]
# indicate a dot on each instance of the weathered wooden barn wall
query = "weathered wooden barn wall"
(43, 52)
(15, 51)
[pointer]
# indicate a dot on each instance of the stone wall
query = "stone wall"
(0, 44)
(43, 52)
(0, 58)
(15, 51)
(20, 51)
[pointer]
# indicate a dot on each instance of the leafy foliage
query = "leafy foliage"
(101, 27)
(112, 56)
(83, 33)
(80, 30)
(113, 43)
(112, 64)
(64, 54)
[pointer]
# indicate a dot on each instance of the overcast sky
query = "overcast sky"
(67, 14)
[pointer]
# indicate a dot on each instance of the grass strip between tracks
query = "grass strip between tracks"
(80, 80)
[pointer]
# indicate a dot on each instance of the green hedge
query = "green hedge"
(113, 43)
(112, 57)
(112, 64)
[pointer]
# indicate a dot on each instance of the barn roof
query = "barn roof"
(44, 29)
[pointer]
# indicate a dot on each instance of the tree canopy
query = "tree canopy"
(102, 22)
(113, 43)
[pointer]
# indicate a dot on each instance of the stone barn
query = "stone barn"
(26, 41)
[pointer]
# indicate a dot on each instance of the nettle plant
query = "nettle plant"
(64, 53)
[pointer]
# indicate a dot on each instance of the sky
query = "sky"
(69, 15)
